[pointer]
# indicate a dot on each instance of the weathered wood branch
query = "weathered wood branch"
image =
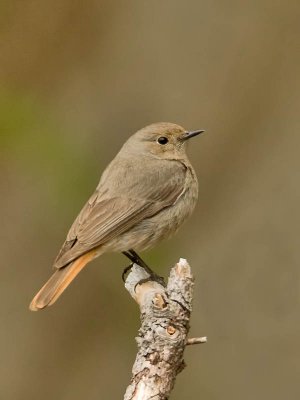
(162, 338)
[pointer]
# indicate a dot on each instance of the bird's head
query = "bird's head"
(161, 140)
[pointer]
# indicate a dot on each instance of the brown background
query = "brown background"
(77, 78)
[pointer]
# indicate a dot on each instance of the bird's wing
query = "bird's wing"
(103, 219)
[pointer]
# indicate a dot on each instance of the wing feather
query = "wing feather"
(111, 212)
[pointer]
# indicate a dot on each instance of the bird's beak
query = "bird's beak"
(188, 135)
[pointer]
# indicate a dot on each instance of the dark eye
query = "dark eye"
(162, 140)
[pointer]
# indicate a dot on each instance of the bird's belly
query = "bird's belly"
(150, 231)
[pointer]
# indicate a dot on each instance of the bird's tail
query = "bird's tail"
(58, 282)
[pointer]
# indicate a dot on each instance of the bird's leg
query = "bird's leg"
(136, 259)
(125, 271)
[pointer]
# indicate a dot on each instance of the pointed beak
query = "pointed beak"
(188, 135)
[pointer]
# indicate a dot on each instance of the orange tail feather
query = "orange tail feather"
(58, 282)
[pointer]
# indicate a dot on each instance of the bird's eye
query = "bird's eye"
(162, 140)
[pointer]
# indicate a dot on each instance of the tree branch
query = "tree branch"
(165, 315)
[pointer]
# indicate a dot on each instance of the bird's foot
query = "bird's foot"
(125, 271)
(153, 277)
(136, 259)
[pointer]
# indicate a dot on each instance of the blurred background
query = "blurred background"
(78, 78)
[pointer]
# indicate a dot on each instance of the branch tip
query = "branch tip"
(193, 341)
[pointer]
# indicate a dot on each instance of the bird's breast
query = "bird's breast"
(167, 222)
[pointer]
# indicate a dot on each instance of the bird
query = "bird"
(144, 195)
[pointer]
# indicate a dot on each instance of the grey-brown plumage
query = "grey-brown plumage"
(143, 196)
